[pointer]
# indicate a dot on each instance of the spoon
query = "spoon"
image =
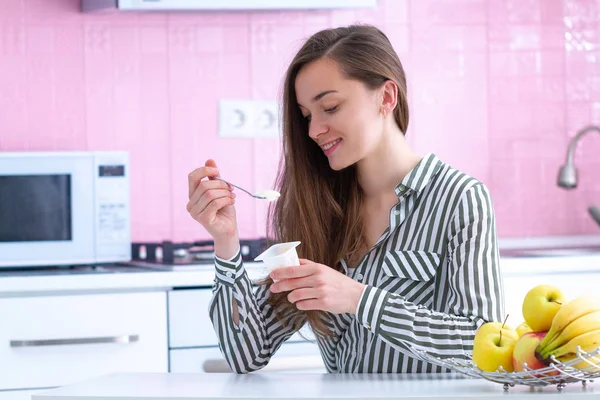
(269, 194)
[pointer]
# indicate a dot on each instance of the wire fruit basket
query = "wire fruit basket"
(557, 373)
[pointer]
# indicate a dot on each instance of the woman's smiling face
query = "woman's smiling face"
(344, 115)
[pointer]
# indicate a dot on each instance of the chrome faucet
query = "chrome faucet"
(567, 175)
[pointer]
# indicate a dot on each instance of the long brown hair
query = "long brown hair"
(319, 206)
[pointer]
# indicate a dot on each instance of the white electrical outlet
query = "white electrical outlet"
(248, 118)
(266, 119)
(235, 118)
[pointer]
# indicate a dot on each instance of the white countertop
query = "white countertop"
(203, 276)
(197, 276)
(301, 386)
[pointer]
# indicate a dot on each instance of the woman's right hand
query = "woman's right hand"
(211, 202)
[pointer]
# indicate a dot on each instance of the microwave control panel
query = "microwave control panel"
(112, 200)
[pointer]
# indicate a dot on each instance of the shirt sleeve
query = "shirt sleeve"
(475, 286)
(250, 344)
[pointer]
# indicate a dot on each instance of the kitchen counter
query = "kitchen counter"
(302, 386)
(23, 283)
(121, 278)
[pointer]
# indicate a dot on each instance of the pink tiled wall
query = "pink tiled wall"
(497, 88)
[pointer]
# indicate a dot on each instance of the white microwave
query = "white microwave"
(64, 208)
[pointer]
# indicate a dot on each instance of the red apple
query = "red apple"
(524, 351)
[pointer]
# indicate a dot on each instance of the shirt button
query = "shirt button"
(359, 277)
(229, 274)
(396, 212)
(368, 325)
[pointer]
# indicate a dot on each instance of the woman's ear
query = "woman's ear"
(389, 97)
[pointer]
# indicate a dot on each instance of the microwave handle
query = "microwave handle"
(124, 339)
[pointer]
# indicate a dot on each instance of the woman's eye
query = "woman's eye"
(307, 117)
(331, 110)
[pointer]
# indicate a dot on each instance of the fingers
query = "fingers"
(207, 215)
(210, 163)
(296, 271)
(197, 175)
(312, 304)
(295, 283)
(208, 197)
(303, 294)
(205, 188)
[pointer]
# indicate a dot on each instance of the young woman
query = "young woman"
(397, 250)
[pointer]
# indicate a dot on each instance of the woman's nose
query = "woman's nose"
(316, 128)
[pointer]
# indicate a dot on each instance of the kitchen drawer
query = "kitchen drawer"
(58, 340)
(291, 357)
(189, 321)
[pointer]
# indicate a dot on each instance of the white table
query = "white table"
(303, 386)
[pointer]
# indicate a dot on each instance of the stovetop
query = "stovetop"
(170, 254)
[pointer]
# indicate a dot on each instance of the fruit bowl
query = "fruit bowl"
(557, 373)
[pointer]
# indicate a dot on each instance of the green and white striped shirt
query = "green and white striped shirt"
(431, 280)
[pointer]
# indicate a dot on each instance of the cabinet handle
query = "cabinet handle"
(75, 341)
(276, 364)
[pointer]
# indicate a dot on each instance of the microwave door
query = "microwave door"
(35, 208)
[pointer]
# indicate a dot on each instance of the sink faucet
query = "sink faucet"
(567, 175)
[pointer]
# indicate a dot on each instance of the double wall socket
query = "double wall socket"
(249, 118)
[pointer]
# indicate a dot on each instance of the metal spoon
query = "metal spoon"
(270, 195)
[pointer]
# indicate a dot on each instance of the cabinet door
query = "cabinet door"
(291, 357)
(58, 340)
(189, 322)
(190, 325)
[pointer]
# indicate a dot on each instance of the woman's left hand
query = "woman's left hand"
(314, 286)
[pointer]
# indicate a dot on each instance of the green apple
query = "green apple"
(493, 347)
(541, 305)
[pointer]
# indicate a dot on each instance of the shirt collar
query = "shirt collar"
(418, 177)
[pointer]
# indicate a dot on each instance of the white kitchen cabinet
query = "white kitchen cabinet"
(189, 321)
(193, 342)
(51, 341)
(291, 357)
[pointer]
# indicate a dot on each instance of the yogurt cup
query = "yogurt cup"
(279, 256)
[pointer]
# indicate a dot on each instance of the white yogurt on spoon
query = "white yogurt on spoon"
(269, 194)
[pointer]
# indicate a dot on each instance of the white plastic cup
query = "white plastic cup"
(279, 256)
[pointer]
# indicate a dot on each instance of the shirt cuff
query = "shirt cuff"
(370, 307)
(228, 271)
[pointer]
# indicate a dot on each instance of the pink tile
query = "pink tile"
(12, 39)
(396, 11)
(525, 63)
(496, 88)
(153, 40)
(552, 12)
(515, 12)
(507, 37)
(449, 38)
(553, 36)
(15, 14)
(458, 12)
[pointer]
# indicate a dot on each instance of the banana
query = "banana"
(588, 342)
(581, 325)
(591, 365)
(568, 313)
